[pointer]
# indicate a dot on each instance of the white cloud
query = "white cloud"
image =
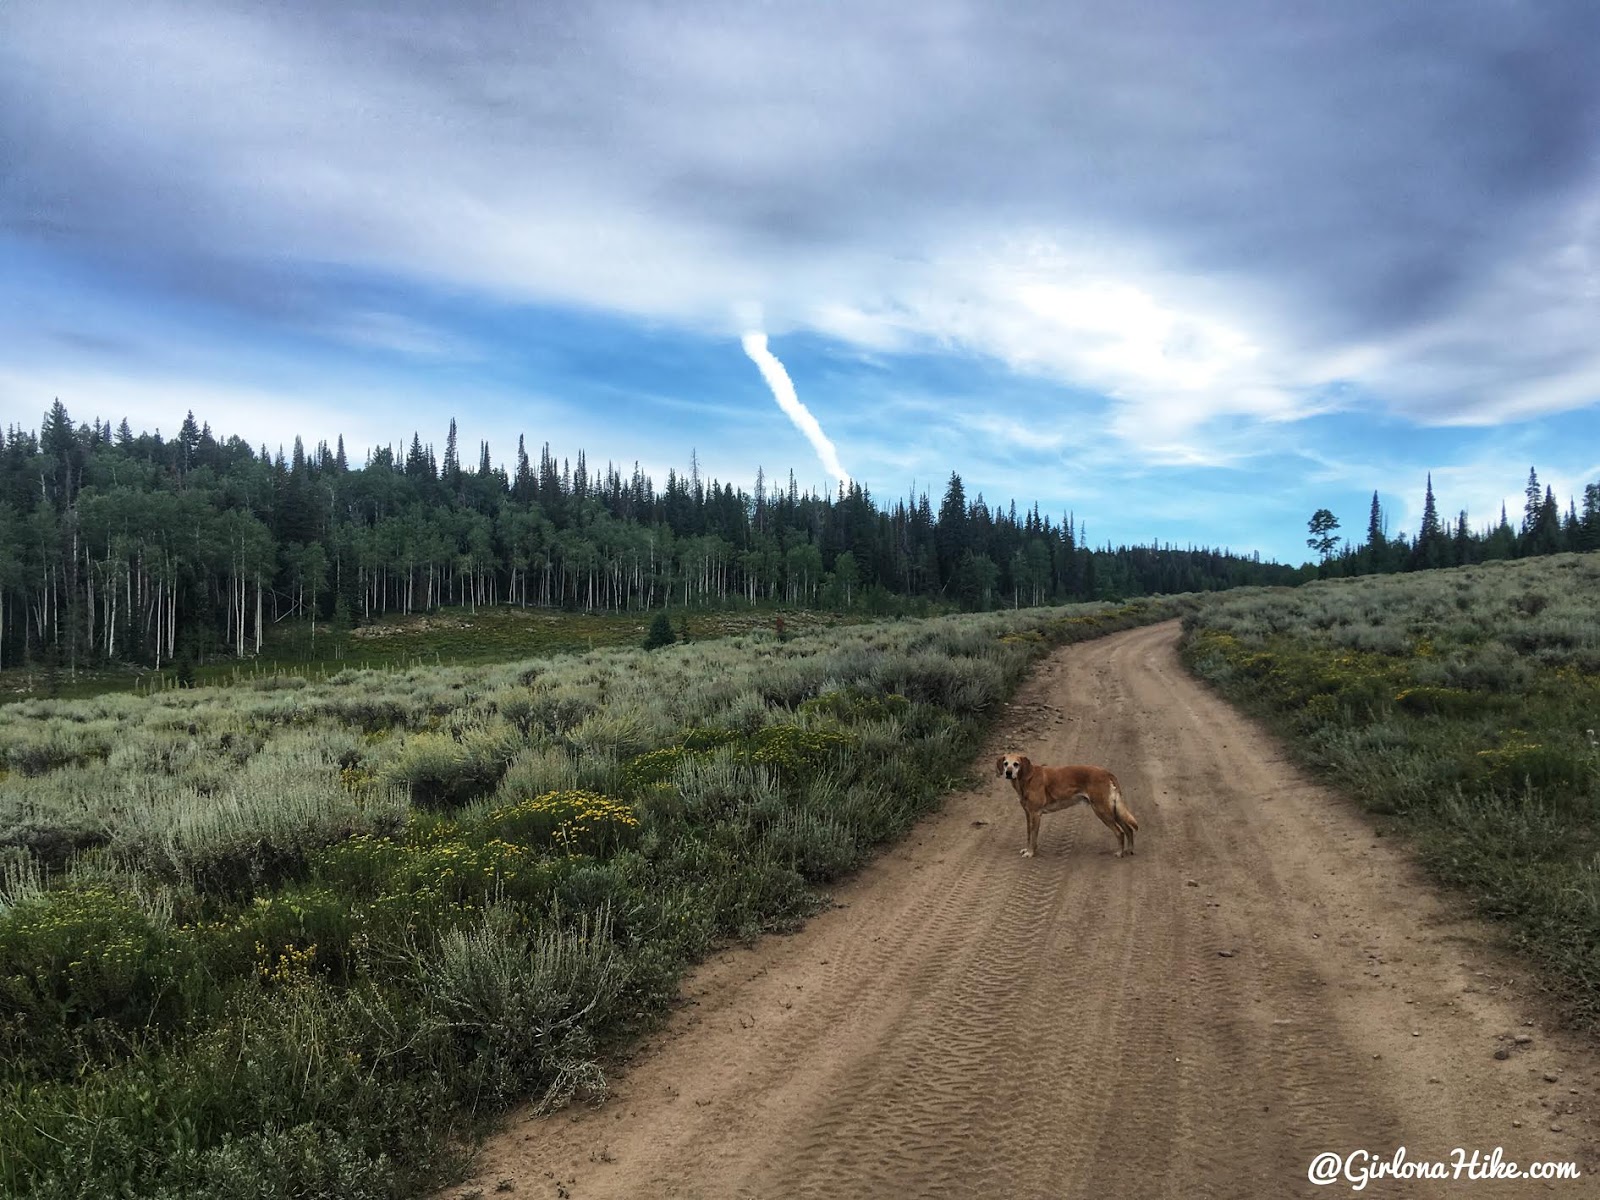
(259, 415)
(898, 177)
(772, 370)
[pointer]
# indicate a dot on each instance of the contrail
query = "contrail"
(755, 345)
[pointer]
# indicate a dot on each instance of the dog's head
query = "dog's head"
(1012, 766)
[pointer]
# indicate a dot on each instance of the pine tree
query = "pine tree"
(1429, 548)
(1430, 513)
(417, 458)
(1589, 536)
(522, 485)
(1535, 500)
(56, 435)
(1547, 530)
(951, 535)
(188, 443)
(661, 632)
(452, 461)
(1323, 528)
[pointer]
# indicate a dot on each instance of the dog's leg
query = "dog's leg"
(1033, 834)
(1108, 818)
(1126, 821)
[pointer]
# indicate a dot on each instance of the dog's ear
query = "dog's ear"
(1024, 764)
(1000, 765)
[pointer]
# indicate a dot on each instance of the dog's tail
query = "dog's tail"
(1118, 808)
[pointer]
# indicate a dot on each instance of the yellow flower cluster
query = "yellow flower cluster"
(289, 966)
(575, 822)
(654, 766)
(354, 779)
(1031, 636)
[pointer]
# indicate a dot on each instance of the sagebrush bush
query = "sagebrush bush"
(521, 1007)
(444, 771)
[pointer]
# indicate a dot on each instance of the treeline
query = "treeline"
(1544, 528)
(116, 546)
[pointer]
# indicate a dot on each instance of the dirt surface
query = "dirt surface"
(1266, 980)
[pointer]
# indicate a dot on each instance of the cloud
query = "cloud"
(261, 415)
(755, 345)
(1213, 216)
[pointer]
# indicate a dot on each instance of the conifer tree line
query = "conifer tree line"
(1544, 527)
(116, 546)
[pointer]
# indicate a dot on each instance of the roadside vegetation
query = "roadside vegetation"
(305, 939)
(1461, 706)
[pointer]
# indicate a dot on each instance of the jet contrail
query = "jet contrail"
(755, 345)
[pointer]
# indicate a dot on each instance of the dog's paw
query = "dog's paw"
(1027, 854)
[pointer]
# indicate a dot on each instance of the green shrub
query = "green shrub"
(657, 766)
(518, 1010)
(82, 972)
(853, 707)
(661, 633)
(791, 750)
(1546, 768)
(817, 846)
(1445, 701)
(570, 822)
(441, 771)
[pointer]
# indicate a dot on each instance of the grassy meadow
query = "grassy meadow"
(441, 637)
(1459, 705)
(300, 938)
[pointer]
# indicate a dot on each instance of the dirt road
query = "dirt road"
(1263, 982)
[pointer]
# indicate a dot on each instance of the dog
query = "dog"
(1050, 789)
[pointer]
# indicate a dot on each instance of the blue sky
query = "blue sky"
(1187, 271)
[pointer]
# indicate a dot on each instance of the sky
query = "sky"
(1188, 272)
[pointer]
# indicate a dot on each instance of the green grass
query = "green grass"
(1460, 706)
(308, 938)
(445, 637)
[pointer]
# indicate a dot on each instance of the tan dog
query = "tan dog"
(1049, 789)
